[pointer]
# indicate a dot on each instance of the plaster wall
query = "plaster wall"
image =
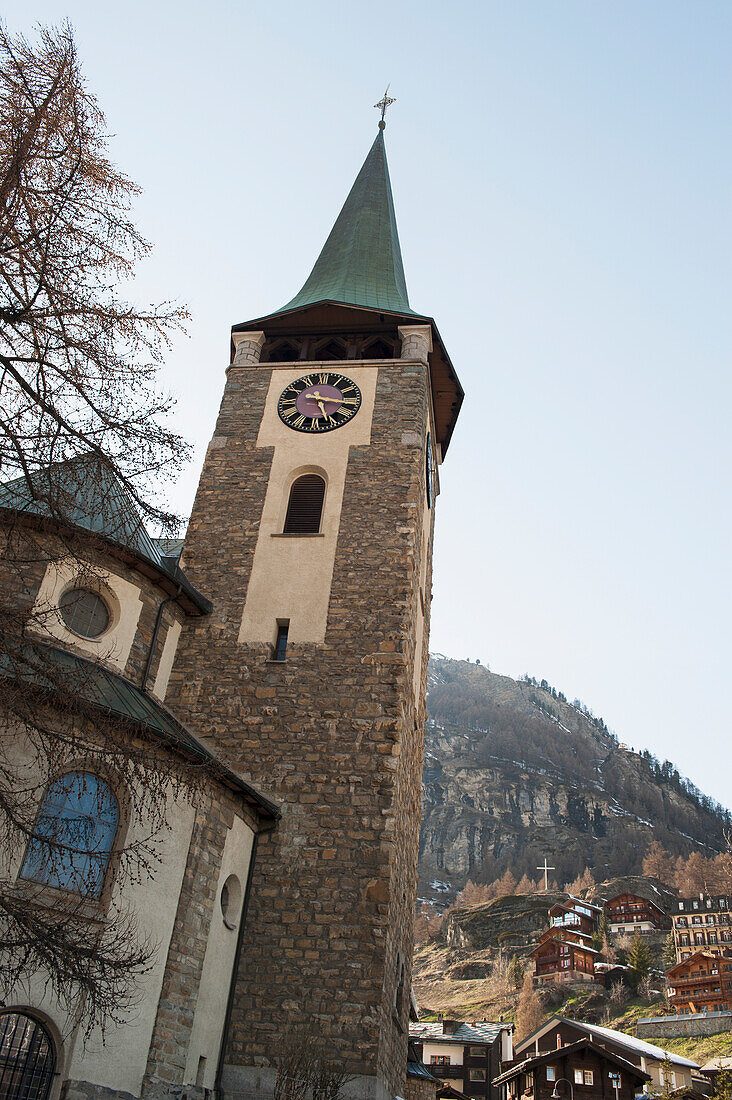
(453, 1050)
(291, 576)
(218, 963)
(117, 1060)
(122, 597)
(167, 657)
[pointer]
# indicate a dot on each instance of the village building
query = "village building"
(465, 1056)
(633, 913)
(665, 1068)
(583, 1070)
(559, 959)
(702, 922)
(577, 914)
(284, 645)
(701, 983)
(564, 951)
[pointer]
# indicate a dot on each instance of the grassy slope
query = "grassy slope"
(470, 999)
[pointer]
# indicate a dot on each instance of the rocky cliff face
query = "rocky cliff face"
(514, 773)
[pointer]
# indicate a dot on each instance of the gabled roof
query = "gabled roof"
(464, 1033)
(565, 943)
(361, 261)
(114, 695)
(549, 1056)
(85, 493)
(698, 955)
(606, 1034)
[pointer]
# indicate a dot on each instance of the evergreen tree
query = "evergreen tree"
(639, 959)
(669, 950)
(599, 936)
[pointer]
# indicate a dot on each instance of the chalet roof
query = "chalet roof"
(619, 1038)
(85, 493)
(566, 943)
(583, 901)
(432, 1031)
(701, 954)
(550, 1056)
(635, 894)
(716, 1064)
(112, 694)
(703, 902)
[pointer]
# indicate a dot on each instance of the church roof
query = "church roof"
(361, 261)
(112, 694)
(85, 492)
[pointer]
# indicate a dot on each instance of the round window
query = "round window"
(84, 612)
(231, 901)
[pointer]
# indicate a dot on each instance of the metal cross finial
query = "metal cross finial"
(384, 102)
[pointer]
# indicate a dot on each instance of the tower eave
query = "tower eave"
(331, 316)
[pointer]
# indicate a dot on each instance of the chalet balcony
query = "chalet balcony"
(454, 1071)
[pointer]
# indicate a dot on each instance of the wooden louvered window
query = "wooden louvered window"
(305, 506)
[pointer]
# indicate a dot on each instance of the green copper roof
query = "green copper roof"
(361, 262)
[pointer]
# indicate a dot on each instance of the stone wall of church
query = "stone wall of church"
(334, 734)
(172, 1063)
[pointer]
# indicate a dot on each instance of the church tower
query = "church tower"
(311, 534)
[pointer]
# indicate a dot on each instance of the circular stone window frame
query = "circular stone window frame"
(230, 900)
(103, 592)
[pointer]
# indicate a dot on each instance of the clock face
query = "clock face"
(428, 470)
(319, 402)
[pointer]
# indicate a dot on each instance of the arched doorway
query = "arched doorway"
(27, 1058)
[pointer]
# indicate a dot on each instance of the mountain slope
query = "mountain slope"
(514, 773)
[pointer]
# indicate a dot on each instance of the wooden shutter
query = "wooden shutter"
(305, 505)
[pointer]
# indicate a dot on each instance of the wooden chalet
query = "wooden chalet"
(633, 913)
(701, 983)
(583, 916)
(584, 1069)
(667, 1070)
(558, 959)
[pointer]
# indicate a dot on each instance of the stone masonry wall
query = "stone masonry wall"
(332, 734)
(671, 1027)
(187, 949)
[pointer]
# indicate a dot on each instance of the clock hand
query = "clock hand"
(322, 408)
(316, 396)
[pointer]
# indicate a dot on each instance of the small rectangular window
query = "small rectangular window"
(578, 1077)
(551, 1073)
(589, 1077)
(439, 1059)
(477, 1075)
(477, 1052)
(280, 650)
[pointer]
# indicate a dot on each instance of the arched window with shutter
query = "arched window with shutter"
(305, 506)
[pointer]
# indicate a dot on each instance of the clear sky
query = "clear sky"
(561, 174)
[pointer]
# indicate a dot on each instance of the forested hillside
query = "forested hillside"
(515, 772)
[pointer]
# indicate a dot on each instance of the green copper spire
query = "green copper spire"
(361, 262)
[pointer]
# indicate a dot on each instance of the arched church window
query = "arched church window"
(331, 349)
(27, 1058)
(73, 835)
(305, 506)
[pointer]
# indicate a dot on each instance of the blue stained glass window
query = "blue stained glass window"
(73, 835)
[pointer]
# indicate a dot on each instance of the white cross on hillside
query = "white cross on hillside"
(546, 869)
